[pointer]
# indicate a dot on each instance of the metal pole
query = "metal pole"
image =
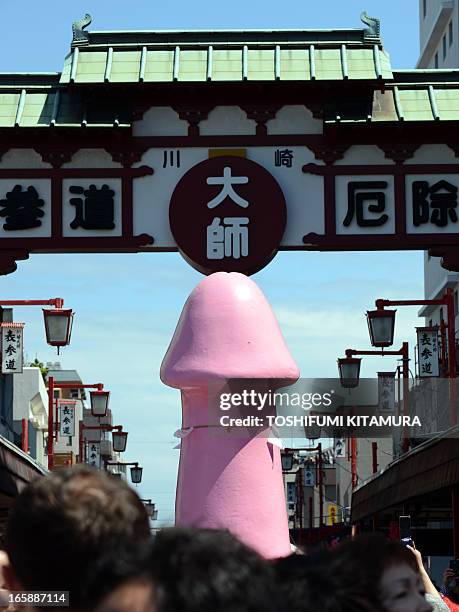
(50, 422)
(374, 452)
(405, 375)
(451, 315)
(353, 462)
(311, 511)
(80, 443)
(321, 487)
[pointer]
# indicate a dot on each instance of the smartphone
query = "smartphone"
(404, 523)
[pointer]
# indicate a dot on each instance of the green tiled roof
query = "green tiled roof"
(235, 63)
(417, 95)
(33, 107)
(226, 55)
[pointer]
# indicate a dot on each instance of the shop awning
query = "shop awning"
(427, 468)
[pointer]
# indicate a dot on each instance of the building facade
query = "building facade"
(439, 34)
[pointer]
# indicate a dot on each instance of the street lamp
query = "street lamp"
(136, 474)
(99, 402)
(349, 371)
(58, 326)
(52, 385)
(381, 325)
(136, 470)
(287, 461)
(119, 439)
(150, 508)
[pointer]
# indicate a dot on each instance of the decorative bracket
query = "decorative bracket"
(328, 153)
(125, 155)
(194, 116)
(55, 156)
(398, 153)
(261, 115)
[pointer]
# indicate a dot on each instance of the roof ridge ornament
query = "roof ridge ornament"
(374, 26)
(80, 37)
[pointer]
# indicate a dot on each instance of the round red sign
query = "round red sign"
(228, 214)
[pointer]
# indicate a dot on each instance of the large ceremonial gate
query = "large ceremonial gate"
(228, 146)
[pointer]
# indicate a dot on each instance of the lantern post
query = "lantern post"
(117, 431)
(448, 301)
(52, 385)
(136, 470)
(404, 353)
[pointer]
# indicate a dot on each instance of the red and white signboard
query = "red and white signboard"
(66, 410)
(93, 457)
(428, 353)
(386, 391)
(12, 347)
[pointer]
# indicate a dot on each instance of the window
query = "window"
(424, 8)
(444, 46)
(436, 60)
(456, 302)
(430, 322)
(450, 33)
(57, 393)
(441, 314)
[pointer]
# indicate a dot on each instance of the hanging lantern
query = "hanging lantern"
(381, 325)
(58, 326)
(150, 508)
(287, 461)
(99, 403)
(136, 474)
(349, 371)
(119, 439)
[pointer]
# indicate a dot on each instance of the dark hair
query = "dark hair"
(359, 564)
(77, 530)
(203, 570)
(306, 584)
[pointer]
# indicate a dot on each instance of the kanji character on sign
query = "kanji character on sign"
(435, 204)
(10, 336)
(283, 158)
(229, 240)
(358, 194)
(426, 368)
(22, 209)
(10, 364)
(426, 340)
(10, 350)
(227, 181)
(96, 210)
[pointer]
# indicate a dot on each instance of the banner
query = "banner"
(12, 348)
(428, 354)
(66, 412)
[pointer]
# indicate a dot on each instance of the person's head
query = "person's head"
(78, 530)
(202, 570)
(382, 573)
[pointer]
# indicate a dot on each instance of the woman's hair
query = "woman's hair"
(358, 566)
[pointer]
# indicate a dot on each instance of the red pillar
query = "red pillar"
(50, 423)
(25, 435)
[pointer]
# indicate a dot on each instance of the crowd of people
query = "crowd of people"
(86, 533)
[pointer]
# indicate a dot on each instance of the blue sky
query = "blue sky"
(319, 298)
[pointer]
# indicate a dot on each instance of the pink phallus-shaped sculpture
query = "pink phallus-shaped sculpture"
(227, 330)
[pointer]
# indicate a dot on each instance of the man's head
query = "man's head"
(202, 570)
(77, 530)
